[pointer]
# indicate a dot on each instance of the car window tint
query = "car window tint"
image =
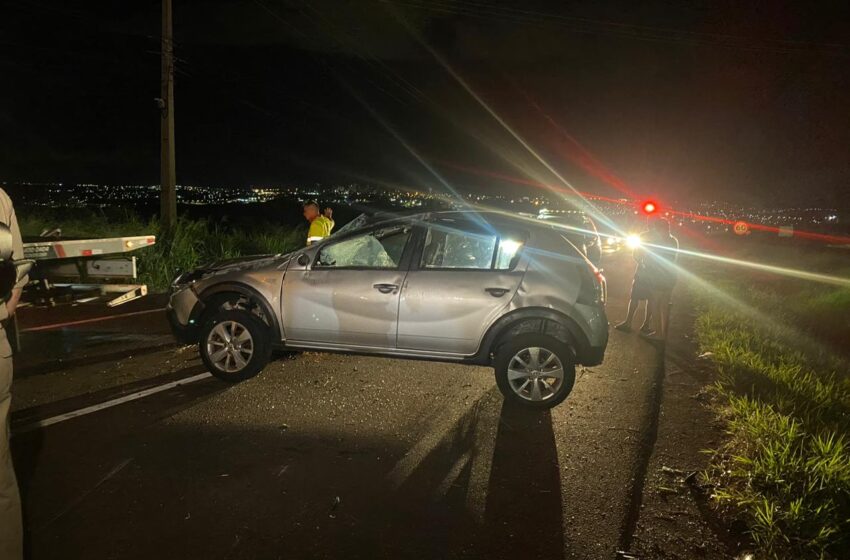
(376, 249)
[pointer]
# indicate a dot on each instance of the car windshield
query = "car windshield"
(356, 223)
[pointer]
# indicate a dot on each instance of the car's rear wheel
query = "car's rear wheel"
(535, 370)
(235, 345)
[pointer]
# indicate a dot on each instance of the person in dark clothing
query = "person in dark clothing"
(660, 274)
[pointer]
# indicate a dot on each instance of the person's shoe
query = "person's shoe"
(625, 327)
(649, 335)
(645, 328)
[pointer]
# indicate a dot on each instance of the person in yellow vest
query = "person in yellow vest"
(321, 224)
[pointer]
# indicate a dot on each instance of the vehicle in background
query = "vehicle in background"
(580, 230)
(611, 239)
(458, 286)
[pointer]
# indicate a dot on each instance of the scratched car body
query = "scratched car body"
(471, 287)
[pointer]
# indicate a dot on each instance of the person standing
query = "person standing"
(660, 266)
(640, 292)
(321, 224)
(11, 525)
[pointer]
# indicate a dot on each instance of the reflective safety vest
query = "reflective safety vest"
(319, 229)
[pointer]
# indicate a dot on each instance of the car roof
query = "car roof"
(469, 214)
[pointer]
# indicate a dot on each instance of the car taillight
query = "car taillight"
(602, 284)
(593, 287)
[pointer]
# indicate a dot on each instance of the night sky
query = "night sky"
(746, 102)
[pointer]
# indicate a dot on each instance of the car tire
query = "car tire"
(249, 350)
(550, 379)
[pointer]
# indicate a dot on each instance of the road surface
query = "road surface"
(321, 456)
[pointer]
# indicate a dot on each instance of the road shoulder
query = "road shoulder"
(675, 519)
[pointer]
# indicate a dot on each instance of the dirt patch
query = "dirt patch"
(675, 520)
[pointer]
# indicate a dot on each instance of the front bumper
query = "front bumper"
(184, 334)
(183, 311)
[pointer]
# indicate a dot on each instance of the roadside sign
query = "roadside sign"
(741, 228)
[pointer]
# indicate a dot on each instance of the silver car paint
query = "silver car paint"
(362, 318)
(449, 310)
(553, 281)
(264, 275)
(341, 306)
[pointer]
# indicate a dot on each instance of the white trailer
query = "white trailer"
(82, 270)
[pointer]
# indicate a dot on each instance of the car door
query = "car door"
(463, 277)
(349, 293)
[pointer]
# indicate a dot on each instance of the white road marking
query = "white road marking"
(110, 403)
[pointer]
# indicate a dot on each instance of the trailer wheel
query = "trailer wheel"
(235, 345)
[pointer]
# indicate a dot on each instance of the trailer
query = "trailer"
(84, 270)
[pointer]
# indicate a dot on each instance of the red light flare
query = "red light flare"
(649, 207)
(840, 239)
(700, 217)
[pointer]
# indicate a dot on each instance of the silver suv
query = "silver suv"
(470, 287)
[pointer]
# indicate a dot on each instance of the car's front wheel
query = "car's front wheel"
(535, 370)
(235, 345)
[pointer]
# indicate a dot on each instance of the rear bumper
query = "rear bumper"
(593, 356)
(593, 353)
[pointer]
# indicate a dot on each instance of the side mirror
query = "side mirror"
(303, 259)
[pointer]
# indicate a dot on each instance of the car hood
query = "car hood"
(248, 263)
(228, 266)
(240, 262)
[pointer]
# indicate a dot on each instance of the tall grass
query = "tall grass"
(786, 466)
(192, 243)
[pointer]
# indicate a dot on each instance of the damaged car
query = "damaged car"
(480, 288)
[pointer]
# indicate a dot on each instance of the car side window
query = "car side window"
(451, 248)
(507, 253)
(381, 248)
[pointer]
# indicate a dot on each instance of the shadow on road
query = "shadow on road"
(524, 509)
(488, 486)
(486, 494)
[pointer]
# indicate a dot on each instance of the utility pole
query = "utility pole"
(168, 173)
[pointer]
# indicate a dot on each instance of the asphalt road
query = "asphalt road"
(323, 456)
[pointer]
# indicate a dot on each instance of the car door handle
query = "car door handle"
(386, 288)
(496, 292)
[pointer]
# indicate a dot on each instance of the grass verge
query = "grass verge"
(784, 388)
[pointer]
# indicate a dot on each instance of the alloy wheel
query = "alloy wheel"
(230, 346)
(535, 374)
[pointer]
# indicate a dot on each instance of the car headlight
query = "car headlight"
(633, 241)
(186, 277)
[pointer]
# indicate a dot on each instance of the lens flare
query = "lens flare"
(633, 241)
